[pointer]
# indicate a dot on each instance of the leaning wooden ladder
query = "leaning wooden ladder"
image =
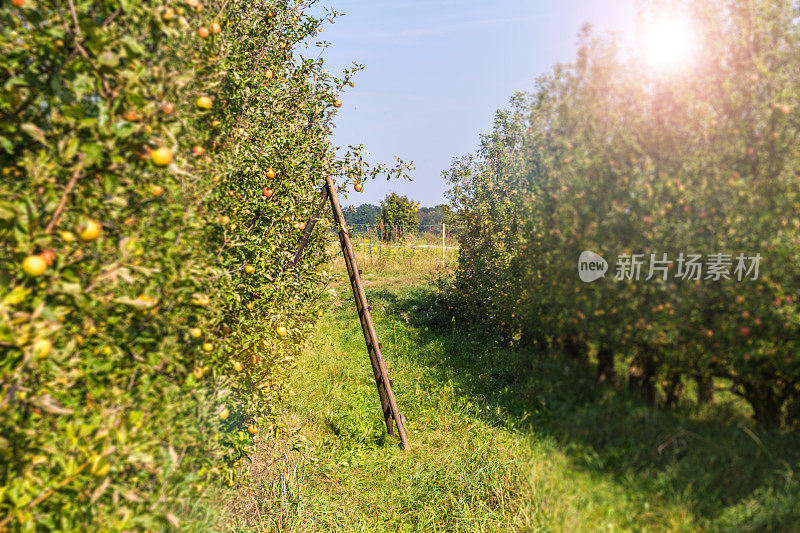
(391, 412)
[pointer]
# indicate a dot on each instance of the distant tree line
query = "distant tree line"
(363, 214)
(371, 214)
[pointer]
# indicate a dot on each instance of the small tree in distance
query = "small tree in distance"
(398, 215)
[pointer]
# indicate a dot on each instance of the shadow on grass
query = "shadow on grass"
(727, 472)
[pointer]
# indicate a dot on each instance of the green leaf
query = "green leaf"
(6, 145)
(131, 44)
(34, 132)
(108, 59)
(7, 212)
(93, 153)
(123, 129)
(70, 149)
(17, 295)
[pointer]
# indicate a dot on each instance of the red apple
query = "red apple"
(49, 257)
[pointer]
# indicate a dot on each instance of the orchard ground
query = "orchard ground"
(502, 439)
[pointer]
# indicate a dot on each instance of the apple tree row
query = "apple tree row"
(158, 159)
(611, 156)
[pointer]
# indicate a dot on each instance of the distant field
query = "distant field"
(421, 252)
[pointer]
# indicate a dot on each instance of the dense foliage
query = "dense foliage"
(158, 160)
(364, 214)
(611, 156)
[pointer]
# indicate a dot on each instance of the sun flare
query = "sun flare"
(668, 42)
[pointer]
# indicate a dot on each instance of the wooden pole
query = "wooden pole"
(351, 268)
(309, 229)
(388, 401)
(360, 309)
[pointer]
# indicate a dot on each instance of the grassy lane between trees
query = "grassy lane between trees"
(503, 440)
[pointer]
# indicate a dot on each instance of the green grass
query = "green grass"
(502, 440)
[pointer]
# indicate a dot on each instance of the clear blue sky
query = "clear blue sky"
(437, 70)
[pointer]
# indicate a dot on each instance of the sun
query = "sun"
(668, 42)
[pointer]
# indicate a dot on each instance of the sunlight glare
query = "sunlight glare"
(668, 42)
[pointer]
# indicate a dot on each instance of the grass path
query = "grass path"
(501, 441)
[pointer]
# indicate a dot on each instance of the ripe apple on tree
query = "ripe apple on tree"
(132, 116)
(204, 102)
(49, 257)
(34, 266)
(89, 230)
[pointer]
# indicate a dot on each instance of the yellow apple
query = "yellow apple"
(89, 230)
(34, 266)
(161, 157)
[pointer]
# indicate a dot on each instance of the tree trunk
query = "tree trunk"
(605, 366)
(705, 389)
(766, 404)
(673, 389)
(575, 348)
(640, 375)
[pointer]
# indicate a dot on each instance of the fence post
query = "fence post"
(443, 233)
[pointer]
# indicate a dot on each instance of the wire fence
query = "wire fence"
(399, 230)
(395, 232)
(417, 247)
